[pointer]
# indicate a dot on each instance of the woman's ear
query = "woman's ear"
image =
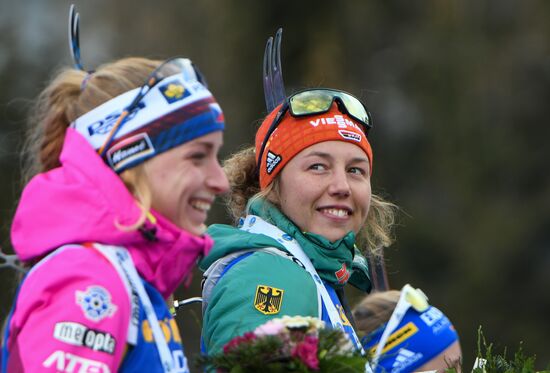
(274, 195)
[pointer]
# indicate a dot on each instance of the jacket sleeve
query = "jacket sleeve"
(256, 289)
(71, 314)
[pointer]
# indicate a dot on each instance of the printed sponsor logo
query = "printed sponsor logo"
(398, 337)
(104, 126)
(95, 302)
(343, 317)
(169, 329)
(294, 259)
(272, 161)
(174, 91)
(348, 135)
(79, 335)
(268, 300)
(287, 237)
(338, 120)
(405, 359)
(342, 275)
(441, 326)
(180, 362)
(431, 316)
(130, 150)
(70, 363)
(317, 279)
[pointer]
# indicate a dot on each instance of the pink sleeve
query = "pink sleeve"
(72, 315)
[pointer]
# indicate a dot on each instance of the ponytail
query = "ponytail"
(71, 94)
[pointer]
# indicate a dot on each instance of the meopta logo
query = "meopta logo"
(104, 126)
(79, 335)
(348, 135)
(70, 363)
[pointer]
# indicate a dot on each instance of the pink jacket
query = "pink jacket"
(79, 203)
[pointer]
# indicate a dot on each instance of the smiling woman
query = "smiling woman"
(302, 197)
(124, 169)
(185, 181)
(337, 198)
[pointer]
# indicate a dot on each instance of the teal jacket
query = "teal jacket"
(260, 284)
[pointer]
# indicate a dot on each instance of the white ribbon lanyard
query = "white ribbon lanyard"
(122, 261)
(255, 224)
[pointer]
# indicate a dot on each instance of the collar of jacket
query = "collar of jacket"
(336, 262)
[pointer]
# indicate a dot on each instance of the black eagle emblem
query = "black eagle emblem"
(268, 299)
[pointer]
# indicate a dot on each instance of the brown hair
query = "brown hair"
(71, 94)
(375, 310)
(244, 186)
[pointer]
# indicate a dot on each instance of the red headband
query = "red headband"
(294, 134)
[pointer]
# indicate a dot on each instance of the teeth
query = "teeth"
(201, 205)
(337, 212)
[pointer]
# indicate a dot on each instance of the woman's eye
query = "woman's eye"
(198, 156)
(317, 167)
(357, 170)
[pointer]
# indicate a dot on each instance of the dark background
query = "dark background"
(459, 92)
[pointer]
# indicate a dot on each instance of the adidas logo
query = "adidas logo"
(272, 161)
(404, 360)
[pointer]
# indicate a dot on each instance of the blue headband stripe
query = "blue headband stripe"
(419, 338)
(193, 128)
(173, 112)
(139, 146)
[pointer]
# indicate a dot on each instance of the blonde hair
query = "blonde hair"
(240, 169)
(71, 94)
(375, 310)
(137, 183)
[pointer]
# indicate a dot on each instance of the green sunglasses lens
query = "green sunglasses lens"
(354, 106)
(316, 101)
(310, 102)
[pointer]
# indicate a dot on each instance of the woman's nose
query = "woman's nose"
(339, 184)
(217, 179)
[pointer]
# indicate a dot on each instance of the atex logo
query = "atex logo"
(70, 363)
(79, 335)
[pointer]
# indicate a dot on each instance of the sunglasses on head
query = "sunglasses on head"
(319, 101)
(166, 69)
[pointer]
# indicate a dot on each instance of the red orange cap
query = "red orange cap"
(294, 134)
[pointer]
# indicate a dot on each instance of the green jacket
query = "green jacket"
(265, 283)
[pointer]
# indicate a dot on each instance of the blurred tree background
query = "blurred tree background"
(459, 92)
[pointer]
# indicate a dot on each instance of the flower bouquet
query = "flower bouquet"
(288, 344)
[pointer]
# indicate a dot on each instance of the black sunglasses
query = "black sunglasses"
(166, 69)
(319, 101)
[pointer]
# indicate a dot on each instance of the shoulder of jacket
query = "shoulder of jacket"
(219, 267)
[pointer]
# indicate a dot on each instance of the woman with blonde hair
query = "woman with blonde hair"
(302, 196)
(124, 170)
